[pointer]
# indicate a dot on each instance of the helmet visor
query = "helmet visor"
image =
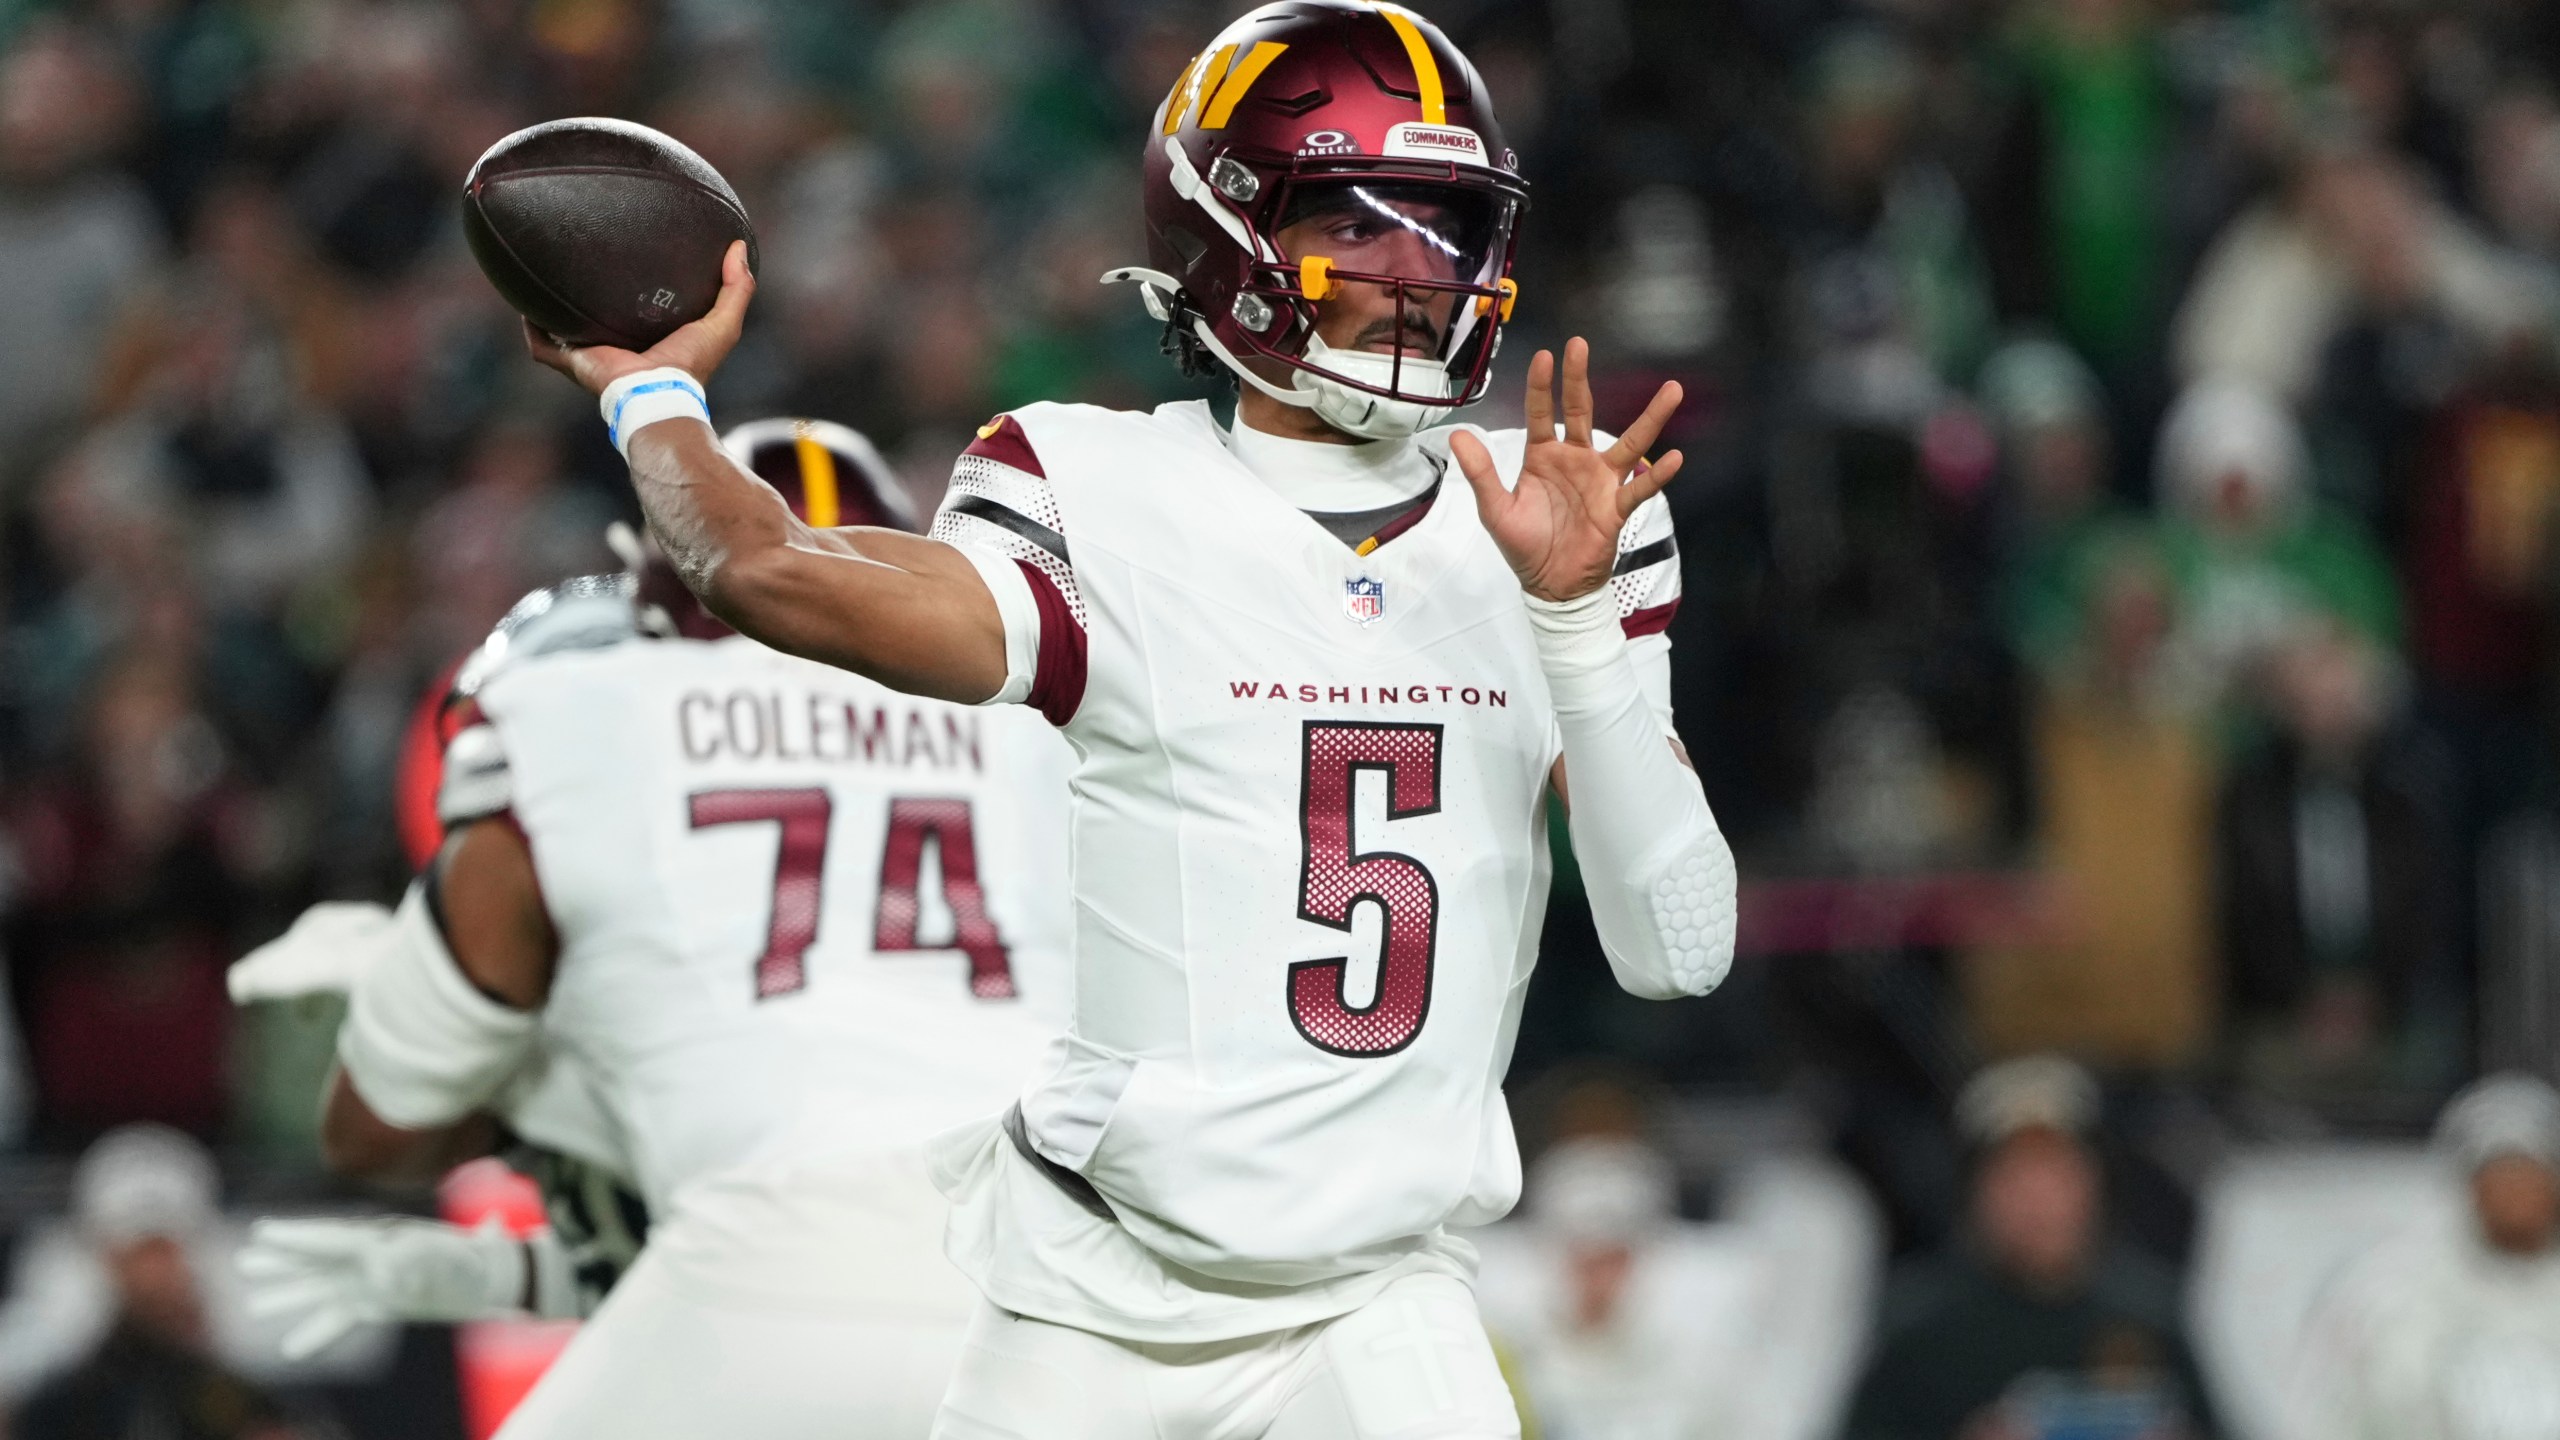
(1413, 232)
(1418, 260)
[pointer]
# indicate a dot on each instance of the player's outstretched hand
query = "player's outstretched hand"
(1559, 526)
(325, 1278)
(328, 949)
(697, 349)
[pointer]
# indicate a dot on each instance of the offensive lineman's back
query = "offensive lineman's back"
(766, 876)
(786, 923)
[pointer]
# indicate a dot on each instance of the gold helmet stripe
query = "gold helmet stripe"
(817, 481)
(1180, 100)
(1239, 81)
(1426, 71)
(1206, 82)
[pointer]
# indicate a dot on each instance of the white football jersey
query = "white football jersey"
(1310, 872)
(799, 914)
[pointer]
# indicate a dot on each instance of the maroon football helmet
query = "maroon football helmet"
(1364, 118)
(829, 474)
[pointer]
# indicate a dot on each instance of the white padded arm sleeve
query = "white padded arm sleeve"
(1655, 866)
(421, 1046)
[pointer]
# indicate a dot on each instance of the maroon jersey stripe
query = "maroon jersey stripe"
(1652, 620)
(1057, 673)
(1003, 442)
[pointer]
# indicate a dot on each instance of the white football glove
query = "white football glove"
(327, 1277)
(329, 945)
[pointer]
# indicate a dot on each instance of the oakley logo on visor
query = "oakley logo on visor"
(1413, 140)
(1327, 142)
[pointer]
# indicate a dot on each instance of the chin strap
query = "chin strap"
(1353, 412)
(1161, 291)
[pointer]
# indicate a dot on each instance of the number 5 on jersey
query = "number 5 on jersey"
(1335, 877)
(799, 870)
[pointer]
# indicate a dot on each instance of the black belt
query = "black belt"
(1075, 1186)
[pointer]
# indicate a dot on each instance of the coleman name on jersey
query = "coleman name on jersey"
(827, 728)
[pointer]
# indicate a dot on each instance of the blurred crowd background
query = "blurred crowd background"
(2121, 573)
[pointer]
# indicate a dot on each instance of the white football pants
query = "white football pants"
(781, 1308)
(1412, 1364)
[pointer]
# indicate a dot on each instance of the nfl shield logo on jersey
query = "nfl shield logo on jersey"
(1364, 599)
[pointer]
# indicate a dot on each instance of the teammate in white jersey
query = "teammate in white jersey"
(782, 925)
(1320, 699)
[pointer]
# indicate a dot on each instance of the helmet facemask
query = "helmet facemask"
(1424, 260)
(1428, 245)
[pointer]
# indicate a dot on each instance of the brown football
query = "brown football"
(601, 232)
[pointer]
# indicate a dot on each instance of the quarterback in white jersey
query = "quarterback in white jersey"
(1321, 693)
(784, 925)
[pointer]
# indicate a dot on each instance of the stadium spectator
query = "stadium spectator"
(2124, 776)
(223, 407)
(2515, 170)
(106, 1333)
(2084, 170)
(2353, 238)
(1893, 286)
(2255, 553)
(509, 524)
(1597, 1358)
(2332, 878)
(136, 864)
(76, 236)
(2050, 419)
(2035, 1326)
(2453, 1329)
(1623, 1321)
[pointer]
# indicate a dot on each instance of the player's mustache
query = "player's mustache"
(1412, 331)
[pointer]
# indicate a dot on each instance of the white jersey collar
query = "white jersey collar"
(1335, 479)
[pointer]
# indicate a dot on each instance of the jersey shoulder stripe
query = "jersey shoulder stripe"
(1653, 553)
(1645, 581)
(1002, 440)
(999, 507)
(997, 513)
(1001, 502)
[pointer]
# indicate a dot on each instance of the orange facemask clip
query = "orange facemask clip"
(1510, 289)
(1315, 277)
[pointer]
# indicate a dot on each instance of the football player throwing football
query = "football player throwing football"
(1321, 692)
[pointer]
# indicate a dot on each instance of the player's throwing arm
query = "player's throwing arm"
(909, 612)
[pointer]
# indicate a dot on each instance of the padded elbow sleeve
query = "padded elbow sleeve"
(420, 1044)
(1655, 866)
